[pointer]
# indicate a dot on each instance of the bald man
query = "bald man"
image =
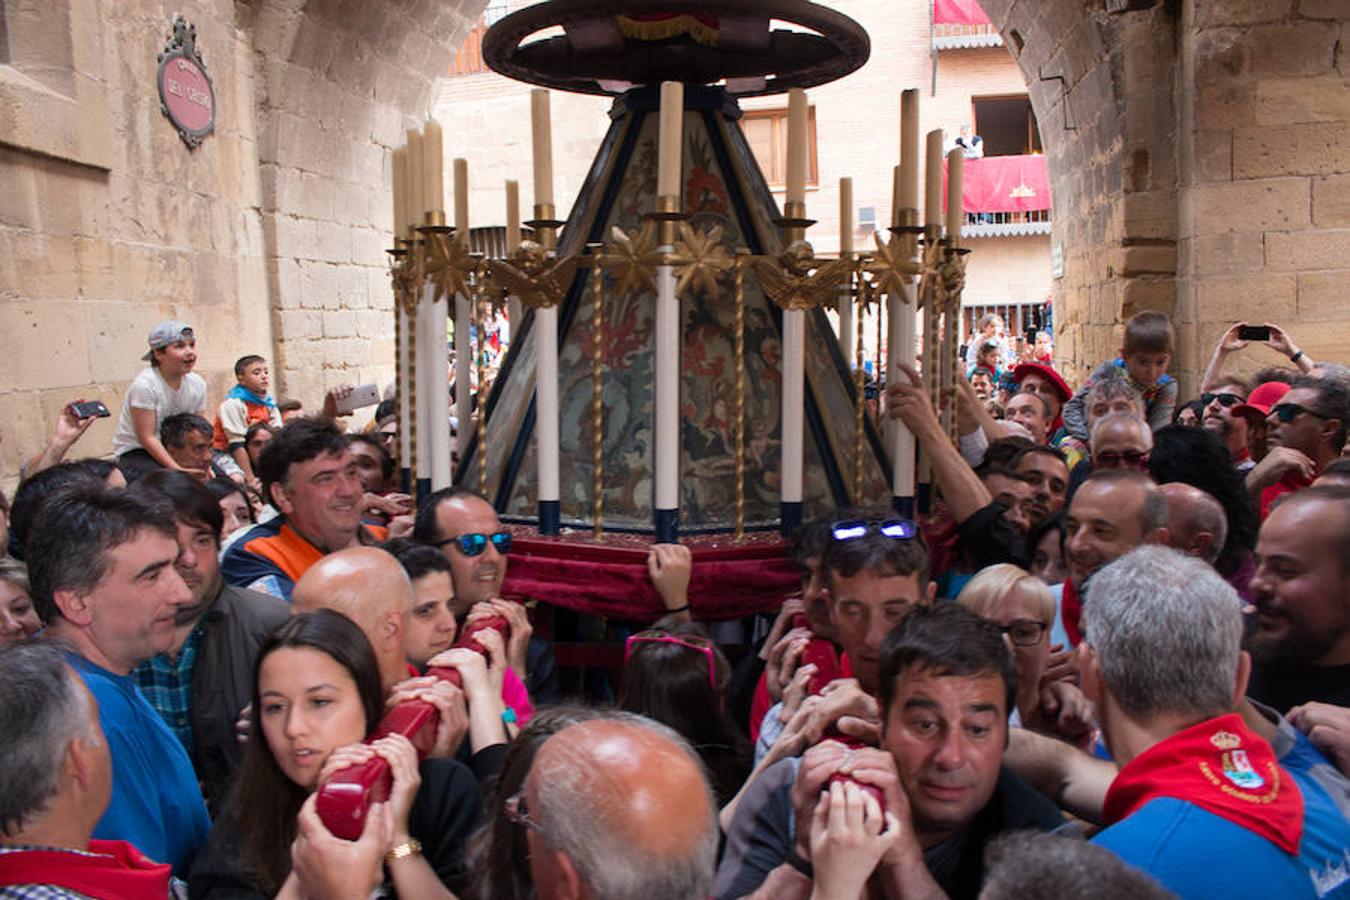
(1196, 523)
(618, 807)
(369, 586)
(1121, 441)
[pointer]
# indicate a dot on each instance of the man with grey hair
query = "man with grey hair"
(55, 781)
(1200, 802)
(1196, 523)
(1120, 440)
(618, 808)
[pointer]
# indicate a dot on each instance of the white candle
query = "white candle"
(932, 200)
(794, 403)
(546, 397)
(403, 390)
(900, 309)
(671, 139)
(399, 167)
(461, 196)
(433, 167)
(846, 247)
(439, 392)
(514, 313)
(463, 371)
(543, 146)
(667, 376)
(797, 146)
(909, 149)
(956, 163)
(416, 176)
(426, 367)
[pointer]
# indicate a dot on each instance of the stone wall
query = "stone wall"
(1264, 225)
(268, 238)
(1199, 164)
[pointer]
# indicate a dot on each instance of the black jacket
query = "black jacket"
(222, 681)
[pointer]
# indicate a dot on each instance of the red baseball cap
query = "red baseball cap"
(1261, 399)
(1022, 370)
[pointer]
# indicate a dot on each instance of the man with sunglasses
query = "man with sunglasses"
(1306, 430)
(466, 530)
(1222, 418)
(1121, 442)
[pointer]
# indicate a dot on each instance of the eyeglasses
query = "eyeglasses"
(1288, 412)
(688, 641)
(895, 529)
(1110, 459)
(518, 814)
(1227, 401)
(1024, 632)
(474, 544)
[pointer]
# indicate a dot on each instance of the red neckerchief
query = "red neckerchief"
(1222, 767)
(1242, 457)
(1071, 613)
(116, 871)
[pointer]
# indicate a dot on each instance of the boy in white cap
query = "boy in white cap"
(168, 387)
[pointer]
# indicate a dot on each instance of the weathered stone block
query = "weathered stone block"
(1303, 251)
(1331, 201)
(1299, 48)
(1229, 253)
(1323, 296)
(1261, 205)
(1317, 148)
(1283, 101)
(1255, 298)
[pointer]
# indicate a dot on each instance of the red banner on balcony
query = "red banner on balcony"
(1003, 184)
(959, 12)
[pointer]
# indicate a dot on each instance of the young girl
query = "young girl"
(317, 694)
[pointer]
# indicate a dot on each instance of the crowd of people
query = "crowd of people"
(1113, 660)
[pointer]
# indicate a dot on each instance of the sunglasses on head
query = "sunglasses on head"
(688, 641)
(853, 529)
(1228, 401)
(474, 544)
(1288, 412)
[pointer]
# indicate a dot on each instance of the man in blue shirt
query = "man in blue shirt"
(1201, 802)
(101, 563)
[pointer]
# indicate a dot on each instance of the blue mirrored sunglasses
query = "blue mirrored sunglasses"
(474, 544)
(895, 529)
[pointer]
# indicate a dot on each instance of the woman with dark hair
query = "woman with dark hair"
(1045, 541)
(499, 867)
(1198, 457)
(677, 676)
(235, 505)
(317, 693)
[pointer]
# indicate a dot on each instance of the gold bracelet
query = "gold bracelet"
(410, 847)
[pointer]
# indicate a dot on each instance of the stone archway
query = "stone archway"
(1199, 155)
(337, 82)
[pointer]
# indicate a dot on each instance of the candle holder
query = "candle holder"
(545, 225)
(667, 215)
(793, 221)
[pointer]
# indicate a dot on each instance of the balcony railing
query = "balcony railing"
(1006, 196)
(950, 36)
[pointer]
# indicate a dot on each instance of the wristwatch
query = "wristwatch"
(410, 847)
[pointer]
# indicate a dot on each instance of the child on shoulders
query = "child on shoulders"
(1143, 361)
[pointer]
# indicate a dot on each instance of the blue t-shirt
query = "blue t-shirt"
(1195, 853)
(156, 804)
(1324, 848)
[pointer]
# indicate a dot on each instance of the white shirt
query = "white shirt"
(149, 391)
